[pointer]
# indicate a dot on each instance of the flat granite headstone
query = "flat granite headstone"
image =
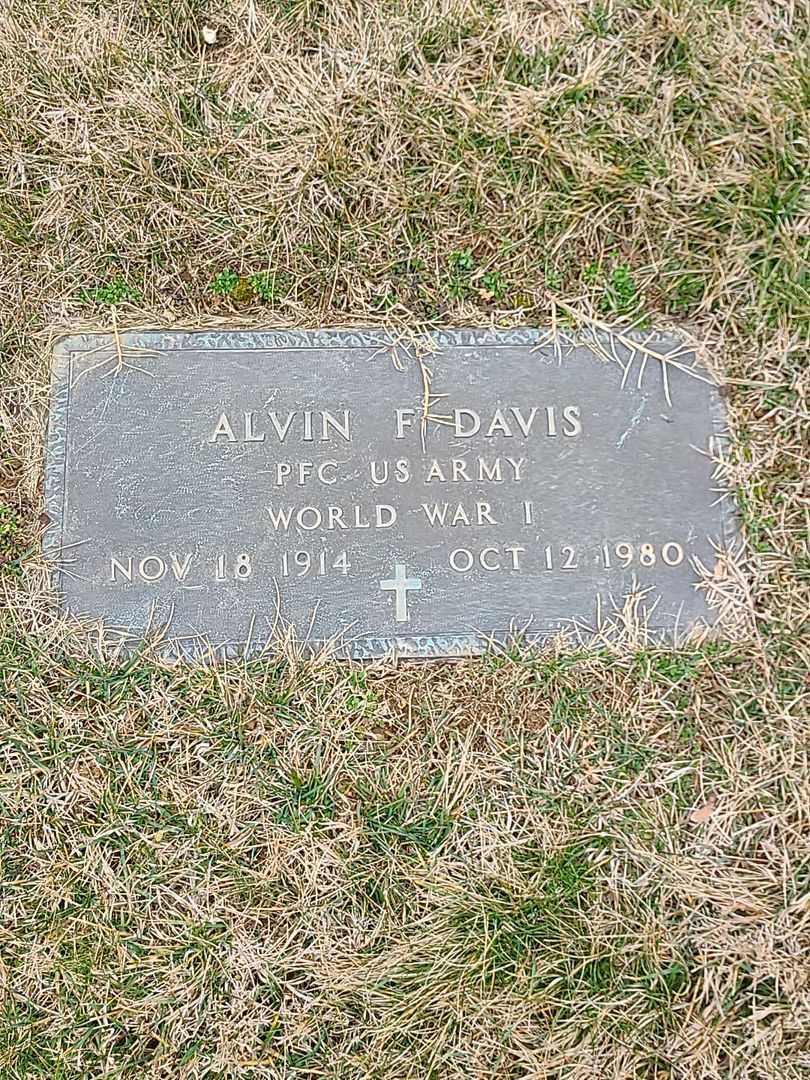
(233, 487)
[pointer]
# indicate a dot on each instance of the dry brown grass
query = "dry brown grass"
(571, 865)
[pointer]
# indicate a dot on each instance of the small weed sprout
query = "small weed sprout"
(620, 297)
(117, 291)
(592, 273)
(224, 283)
(270, 285)
(461, 265)
(553, 279)
(494, 286)
(265, 285)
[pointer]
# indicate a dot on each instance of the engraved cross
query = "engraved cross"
(401, 585)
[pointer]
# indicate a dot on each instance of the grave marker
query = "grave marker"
(231, 484)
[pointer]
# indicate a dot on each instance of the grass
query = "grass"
(563, 864)
(276, 881)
